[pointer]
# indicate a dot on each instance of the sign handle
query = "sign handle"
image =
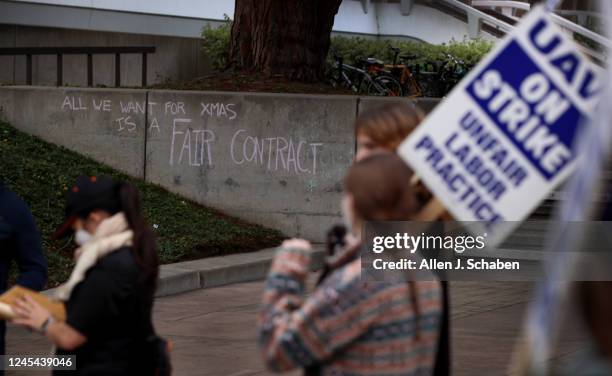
(432, 211)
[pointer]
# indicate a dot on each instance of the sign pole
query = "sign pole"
(552, 295)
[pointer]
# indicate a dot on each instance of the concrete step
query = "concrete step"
(222, 270)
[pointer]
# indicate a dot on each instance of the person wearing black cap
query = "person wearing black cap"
(109, 295)
(19, 241)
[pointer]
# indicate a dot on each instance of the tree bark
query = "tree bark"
(282, 37)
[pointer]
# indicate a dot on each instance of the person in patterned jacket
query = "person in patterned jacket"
(349, 325)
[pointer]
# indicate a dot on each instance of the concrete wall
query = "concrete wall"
(368, 103)
(83, 120)
(274, 159)
(175, 59)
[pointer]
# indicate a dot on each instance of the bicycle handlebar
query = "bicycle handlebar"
(396, 52)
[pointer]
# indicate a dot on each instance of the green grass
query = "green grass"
(41, 172)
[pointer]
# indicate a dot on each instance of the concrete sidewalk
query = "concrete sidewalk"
(214, 331)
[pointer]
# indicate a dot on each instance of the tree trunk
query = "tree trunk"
(283, 37)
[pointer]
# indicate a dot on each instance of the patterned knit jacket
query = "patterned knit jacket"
(349, 325)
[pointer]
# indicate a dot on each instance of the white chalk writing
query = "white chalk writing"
(275, 153)
(196, 143)
(192, 141)
(218, 110)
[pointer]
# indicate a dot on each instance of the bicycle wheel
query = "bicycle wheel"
(429, 84)
(335, 79)
(412, 88)
(384, 85)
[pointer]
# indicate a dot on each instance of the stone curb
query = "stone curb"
(218, 271)
(223, 270)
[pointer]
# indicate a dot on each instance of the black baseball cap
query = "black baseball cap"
(86, 195)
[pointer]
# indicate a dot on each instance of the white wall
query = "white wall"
(425, 23)
(210, 9)
(351, 18)
(385, 19)
(186, 18)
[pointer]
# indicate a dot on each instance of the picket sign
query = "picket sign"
(553, 296)
(503, 139)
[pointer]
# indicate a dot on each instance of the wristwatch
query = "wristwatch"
(45, 325)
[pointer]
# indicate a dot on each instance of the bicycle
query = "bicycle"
(440, 76)
(372, 79)
(453, 71)
(402, 72)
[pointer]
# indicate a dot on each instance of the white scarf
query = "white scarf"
(112, 234)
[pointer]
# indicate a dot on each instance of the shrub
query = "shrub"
(41, 173)
(352, 49)
(216, 44)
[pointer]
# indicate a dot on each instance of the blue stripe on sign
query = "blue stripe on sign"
(528, 108)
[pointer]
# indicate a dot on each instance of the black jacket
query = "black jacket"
(20, 241)
(113, 309)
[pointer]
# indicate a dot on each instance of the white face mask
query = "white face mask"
(81, 237)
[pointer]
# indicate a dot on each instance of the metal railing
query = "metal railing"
(28, 52)
(476, 17)
(507, 8)
(580, 15)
